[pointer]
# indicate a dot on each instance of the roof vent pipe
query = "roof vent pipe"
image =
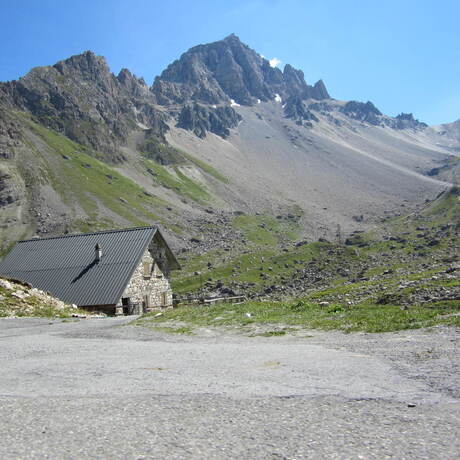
(98, 252)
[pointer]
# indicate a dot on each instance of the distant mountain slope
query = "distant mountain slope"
(450, 132)
(408, 260)
(220, 132)
(338, 171)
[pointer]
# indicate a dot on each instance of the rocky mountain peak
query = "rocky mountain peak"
(228, 69)
(134, 85)
(319, 91)
(86, 65)
(232, 37)
(227, 73)
(295, 81)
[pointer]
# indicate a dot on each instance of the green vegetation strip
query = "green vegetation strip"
(264, 230)
(178, 182)
(365, 317)
(205, 167)
(98, 179)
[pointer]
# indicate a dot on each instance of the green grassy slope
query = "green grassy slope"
(279, 318)
(177, 181)
(403, 275)
(97, 194)
(81, 180)
(409, 260)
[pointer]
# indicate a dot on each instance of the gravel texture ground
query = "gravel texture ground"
(98, 388)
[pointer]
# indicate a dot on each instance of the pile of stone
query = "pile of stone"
(28, 297)
(24, 291)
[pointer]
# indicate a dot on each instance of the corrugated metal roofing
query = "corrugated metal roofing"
(66, 265)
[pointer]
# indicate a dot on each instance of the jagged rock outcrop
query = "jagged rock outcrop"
(407, 121)
(319, 91)
(362, 111)
(9, 192)
(10, 133)
(323, 107)
(133, 85)
(80, 98)
(296, 109)
(201, 119)
(295, 83)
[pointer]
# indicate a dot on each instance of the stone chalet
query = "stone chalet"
(116, 271)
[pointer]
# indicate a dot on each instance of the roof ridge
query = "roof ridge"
(152, 227)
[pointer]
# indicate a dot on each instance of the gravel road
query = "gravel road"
(99, 388)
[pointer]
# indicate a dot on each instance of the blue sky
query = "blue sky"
(402, 55)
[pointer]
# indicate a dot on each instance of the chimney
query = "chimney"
(98, 252)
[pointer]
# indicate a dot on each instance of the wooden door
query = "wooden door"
(146, 303)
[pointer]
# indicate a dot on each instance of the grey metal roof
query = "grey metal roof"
(66, 267)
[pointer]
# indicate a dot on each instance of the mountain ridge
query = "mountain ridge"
(27, 92)
(219, 131)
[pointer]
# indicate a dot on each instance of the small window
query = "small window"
(147, 269)
(146, 303)
(157, 272)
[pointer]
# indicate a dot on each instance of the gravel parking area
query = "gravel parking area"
(98, 388)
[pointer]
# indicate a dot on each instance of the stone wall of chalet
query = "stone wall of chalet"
(154, 284)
